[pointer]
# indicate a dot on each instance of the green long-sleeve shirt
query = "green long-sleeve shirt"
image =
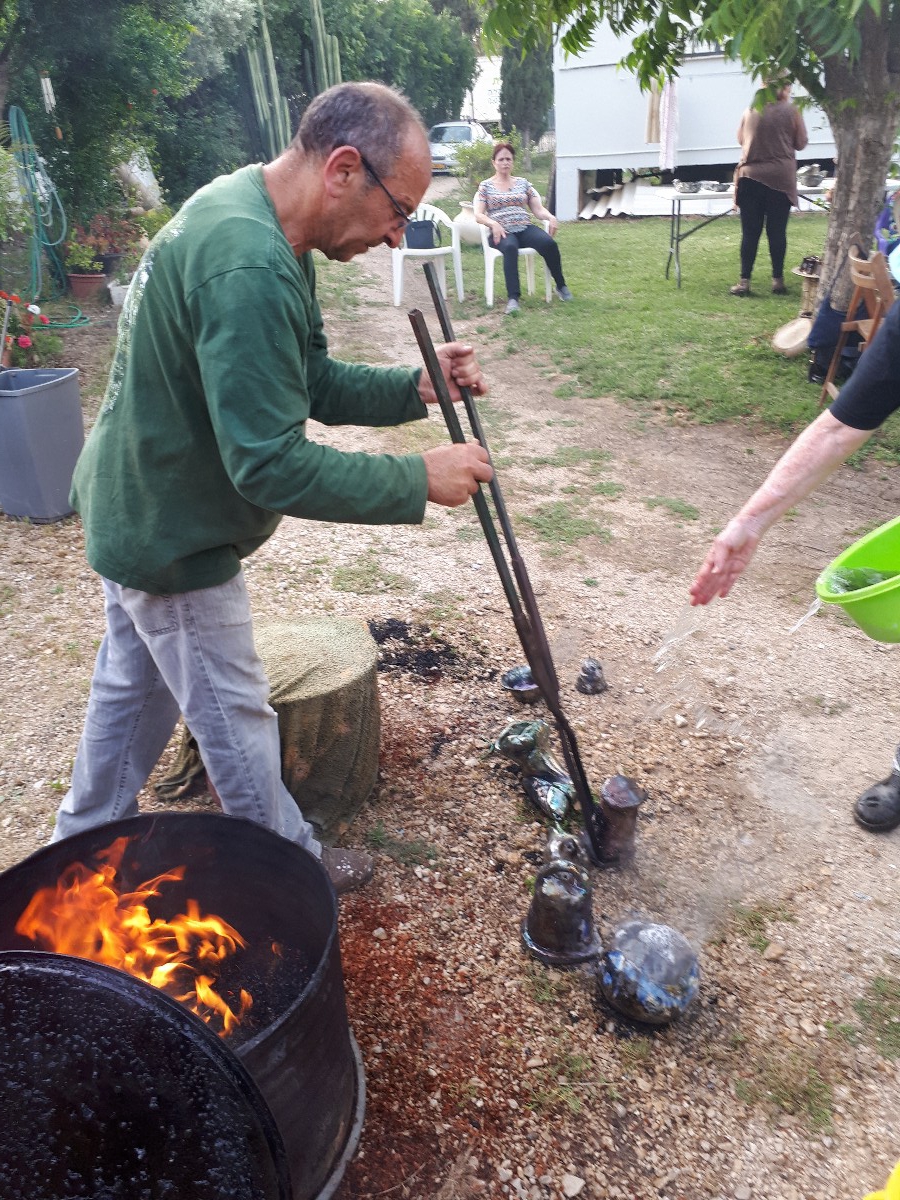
(200, 446)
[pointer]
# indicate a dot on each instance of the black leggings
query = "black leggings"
(532, 237)
(762, 206)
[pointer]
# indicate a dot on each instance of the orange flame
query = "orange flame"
(86, 916)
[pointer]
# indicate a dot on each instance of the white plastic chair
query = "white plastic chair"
(438, 254)
(491, 254)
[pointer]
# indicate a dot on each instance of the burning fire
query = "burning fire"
(86, 916)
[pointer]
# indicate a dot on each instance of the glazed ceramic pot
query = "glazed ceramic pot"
(469, 232)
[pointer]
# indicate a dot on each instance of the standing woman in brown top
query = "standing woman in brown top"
(767, 183)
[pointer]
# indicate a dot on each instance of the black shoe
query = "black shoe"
(878, 808)
(816, 373)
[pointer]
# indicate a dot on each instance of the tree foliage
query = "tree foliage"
(201, 136)
(845, 53)
(526, 92)
(217, 31)
(467, 12)
(110, 64)
(159, 74)
(403, 43)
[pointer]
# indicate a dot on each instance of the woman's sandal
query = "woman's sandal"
(878, 808)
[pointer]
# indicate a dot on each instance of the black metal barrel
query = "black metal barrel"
(304, 1059)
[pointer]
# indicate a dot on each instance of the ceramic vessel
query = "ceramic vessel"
(469, 232)
(83, 287)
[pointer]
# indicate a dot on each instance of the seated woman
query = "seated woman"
(505, 203)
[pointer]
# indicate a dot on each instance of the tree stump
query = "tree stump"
(324, 681)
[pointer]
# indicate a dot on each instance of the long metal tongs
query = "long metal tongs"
(522, 602)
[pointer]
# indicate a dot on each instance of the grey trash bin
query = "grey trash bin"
(41, 435)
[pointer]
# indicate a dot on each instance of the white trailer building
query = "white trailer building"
(605, 125)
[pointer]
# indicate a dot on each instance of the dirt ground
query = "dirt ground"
(487, 1073)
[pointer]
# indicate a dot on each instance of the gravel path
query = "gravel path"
(487, 1073)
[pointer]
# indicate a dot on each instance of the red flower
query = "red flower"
(4, 295)
(23, 342)
(15, 299)
(45, 320)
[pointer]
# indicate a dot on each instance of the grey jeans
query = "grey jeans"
(192, 654)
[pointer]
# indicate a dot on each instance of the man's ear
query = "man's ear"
(341, 171)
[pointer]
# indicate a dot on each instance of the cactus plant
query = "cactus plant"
(326, 51)
(269, 105)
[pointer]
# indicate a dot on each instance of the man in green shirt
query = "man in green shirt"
(200, 448)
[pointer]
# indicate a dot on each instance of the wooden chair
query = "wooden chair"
(873, 289)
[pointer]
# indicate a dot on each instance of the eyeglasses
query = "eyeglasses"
(405, 217)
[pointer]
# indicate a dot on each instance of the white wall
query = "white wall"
(601, 116)
(482, 103)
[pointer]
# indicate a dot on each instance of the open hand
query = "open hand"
(726, 560)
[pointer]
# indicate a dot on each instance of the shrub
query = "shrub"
(82, 260)
(152, 222)
(15, 216)
(28, 344)
(473, 162)
(109, 233)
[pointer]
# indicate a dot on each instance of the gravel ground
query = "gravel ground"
(487, 1073)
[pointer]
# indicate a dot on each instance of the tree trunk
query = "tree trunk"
(526, 149)
(4, 80)
(863, 105)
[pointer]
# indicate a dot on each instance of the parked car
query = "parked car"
(446, 137)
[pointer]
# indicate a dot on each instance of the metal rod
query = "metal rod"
(546, 667)
(525, 613)
(436, 375)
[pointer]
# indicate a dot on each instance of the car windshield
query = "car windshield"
(450, 133)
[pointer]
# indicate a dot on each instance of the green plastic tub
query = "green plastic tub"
(876, 608)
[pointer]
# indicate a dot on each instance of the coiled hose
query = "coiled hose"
(48, 218)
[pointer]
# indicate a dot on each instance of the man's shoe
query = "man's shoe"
(348, 870)
(878, 808)
(564, 293)
(778, 288)
(741, 289)
(512, 306)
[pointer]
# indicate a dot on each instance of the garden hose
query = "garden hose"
(76, 319)
(49, 225)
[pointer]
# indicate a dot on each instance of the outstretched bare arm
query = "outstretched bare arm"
(818, 451)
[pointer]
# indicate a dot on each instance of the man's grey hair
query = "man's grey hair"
(375, 119)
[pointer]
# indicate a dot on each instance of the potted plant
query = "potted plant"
(84, 270)
(110, 235)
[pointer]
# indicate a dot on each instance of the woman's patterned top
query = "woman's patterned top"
(511, 208)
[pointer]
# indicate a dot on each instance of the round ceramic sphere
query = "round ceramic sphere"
(650, 972)
(520, 682)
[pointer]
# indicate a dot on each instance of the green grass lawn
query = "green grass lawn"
(696, 350)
